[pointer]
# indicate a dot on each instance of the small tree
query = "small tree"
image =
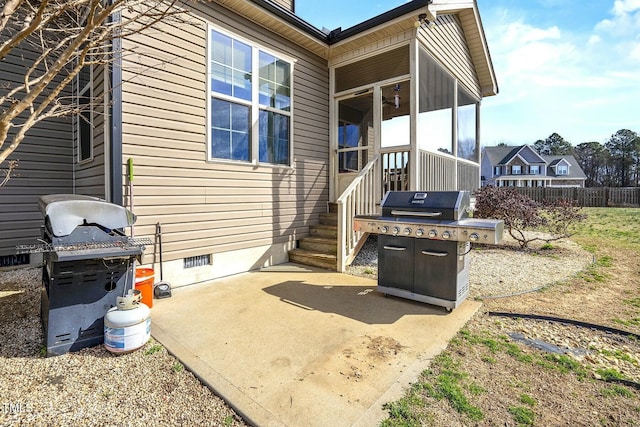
(521, 214)
(63, 36)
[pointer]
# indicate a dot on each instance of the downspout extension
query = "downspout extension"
(115, 146)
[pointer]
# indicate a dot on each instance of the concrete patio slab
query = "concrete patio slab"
(298, 346)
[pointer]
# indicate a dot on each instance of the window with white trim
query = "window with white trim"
(250, 102)
(516, 170)
(84, 115)
(562, 170)
(534, 169)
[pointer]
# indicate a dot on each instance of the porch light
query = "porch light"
(396, 96)
(426, 19)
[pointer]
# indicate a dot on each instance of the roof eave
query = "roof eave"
(339, 35)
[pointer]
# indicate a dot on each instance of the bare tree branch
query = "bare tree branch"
(12, 165)
(55, 39)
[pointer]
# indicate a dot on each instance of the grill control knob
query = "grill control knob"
(432, 233)
(396, 230)
(473, 237)
(446, 235)
(420, 232)
(407, 231)
(384, 229)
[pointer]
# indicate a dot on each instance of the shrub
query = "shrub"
(521, 214)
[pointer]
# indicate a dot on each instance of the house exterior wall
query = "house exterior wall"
(244, 215)
(287, 4)
(45, 167)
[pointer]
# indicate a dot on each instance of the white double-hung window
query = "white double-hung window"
(250, 102)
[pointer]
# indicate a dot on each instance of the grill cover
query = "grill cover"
(436, 205)
(65, 212)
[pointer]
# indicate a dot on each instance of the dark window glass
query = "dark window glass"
(230, 125)
(274, 138)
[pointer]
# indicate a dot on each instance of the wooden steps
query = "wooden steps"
(320, 249)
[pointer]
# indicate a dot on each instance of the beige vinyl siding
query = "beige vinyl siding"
(45, 167)
(211, 206)
(479, 51)
(446, 42)
(287, 4)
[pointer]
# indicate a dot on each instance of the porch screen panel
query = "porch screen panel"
(467, 107)
(374, 69)
(436, 103)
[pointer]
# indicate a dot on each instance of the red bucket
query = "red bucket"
(144, 282)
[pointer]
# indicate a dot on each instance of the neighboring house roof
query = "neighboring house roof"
(496, 155)
(503, 155)
(575, 171)
(402, 18)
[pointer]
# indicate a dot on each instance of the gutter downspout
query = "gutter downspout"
(115, 146)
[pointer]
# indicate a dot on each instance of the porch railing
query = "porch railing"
(468, 175)
(395, 169)
(361, 197)
(437, 173)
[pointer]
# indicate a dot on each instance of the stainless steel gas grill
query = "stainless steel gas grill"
(423, 244)
(87, 262)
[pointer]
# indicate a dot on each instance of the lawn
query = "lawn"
(488, 377)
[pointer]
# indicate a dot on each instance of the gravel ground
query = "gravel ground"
(147, 387)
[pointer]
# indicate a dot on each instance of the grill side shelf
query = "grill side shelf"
(131, 243)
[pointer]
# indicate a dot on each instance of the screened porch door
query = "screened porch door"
(355, 137)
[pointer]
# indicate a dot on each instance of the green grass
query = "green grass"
(522, 415)
(615, 390)
(177, 367)
(566, 364)
(620, 226)
(610, 374)
(528, 400)
(620, 355)
(605, 234)
(153, 349)
(631, 322)
(406, 411)
(633, 302)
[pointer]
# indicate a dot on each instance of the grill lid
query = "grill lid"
(436, 205)
(65, 212)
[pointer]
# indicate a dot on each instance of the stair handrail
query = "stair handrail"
(361, 197)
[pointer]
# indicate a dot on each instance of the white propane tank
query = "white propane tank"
(127, 327)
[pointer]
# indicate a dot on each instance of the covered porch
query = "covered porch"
(405, 111)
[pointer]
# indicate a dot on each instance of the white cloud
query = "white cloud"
(625, 21)
(621, 7)
(578, 83)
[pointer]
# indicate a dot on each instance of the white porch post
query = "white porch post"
(454, 132)
(414, 163)
(333, 137)
(377, 138)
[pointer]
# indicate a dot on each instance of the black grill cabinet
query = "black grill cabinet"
(423, 242)
(88, 261)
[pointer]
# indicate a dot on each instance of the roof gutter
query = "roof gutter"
(338, 34)
(292, 19)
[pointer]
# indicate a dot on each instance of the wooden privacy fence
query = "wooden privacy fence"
(587, 197)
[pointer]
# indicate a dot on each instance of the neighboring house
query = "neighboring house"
(522, 166)
(246, 123)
